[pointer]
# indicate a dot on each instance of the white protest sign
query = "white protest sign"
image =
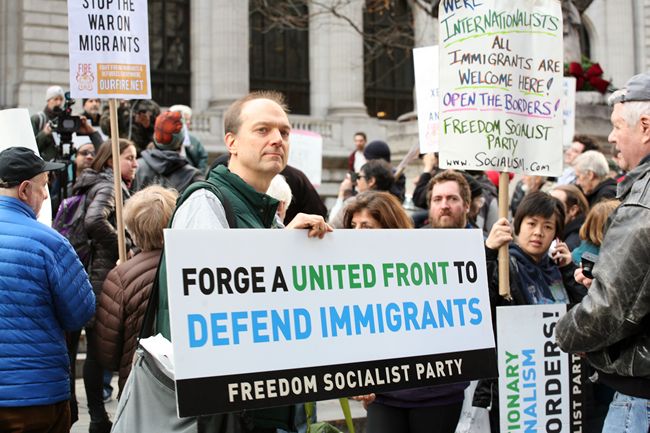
(425, 61)
(569, 111)
(17, 131)
(276, 318)
(540, 387)
(109, 49)
(306, 154)
(501, 85)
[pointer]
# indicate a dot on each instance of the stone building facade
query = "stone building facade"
(33, 55)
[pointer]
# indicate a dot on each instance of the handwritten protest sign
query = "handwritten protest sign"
(501, 85)
(425, 61)
(569, 111)
(540, 387)
(307, 154)
(277, 318)
(109, 49)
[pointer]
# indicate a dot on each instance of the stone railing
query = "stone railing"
(323, 127)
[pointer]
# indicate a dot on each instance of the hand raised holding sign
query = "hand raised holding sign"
(500, 235)
(315, 223)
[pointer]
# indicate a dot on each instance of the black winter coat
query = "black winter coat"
(100, 222)
(605, 190)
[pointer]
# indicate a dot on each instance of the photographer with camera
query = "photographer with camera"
(54, 128)
(43, 120)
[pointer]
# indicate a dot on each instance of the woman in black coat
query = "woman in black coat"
(100, 224)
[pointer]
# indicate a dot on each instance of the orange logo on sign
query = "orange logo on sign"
(120, 78)
(85, 78)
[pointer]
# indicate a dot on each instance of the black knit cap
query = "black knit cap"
(18, 164)
(474, 186)
(377, 149)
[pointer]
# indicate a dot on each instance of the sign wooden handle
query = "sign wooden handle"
(504, 257)
(117, 179)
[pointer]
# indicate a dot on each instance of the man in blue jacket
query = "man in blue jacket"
(44, 291)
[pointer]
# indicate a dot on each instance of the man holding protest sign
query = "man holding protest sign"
(257, 137)
(611, 322)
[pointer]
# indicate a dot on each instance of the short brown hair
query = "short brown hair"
(574, 197)
(451, 176)
(588, 143)
(382, 206)
(232, 116)
(147, 213)
(593, 227)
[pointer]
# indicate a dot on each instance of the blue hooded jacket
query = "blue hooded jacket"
(44, 291)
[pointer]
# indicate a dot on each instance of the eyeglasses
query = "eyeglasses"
(86, 153)
(357, 176)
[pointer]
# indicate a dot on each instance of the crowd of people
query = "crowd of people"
(598, 208)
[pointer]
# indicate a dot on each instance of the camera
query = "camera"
(65, 124)
(588, 260)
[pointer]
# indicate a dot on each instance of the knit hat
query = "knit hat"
(168, 131)
(494, 176)
(474, 186)
(54, 91)
(377, 149)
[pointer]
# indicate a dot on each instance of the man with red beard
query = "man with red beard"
(449, 201)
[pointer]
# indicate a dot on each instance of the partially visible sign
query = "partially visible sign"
(540, 387)
(569, 109)
(306, 154)
(17, 131)
(501, 72)
(277, 318)
(109, 49)
(425, 61)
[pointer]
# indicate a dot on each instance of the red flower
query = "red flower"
(599, 84)
(589, 79)
(575, 69)
(594, 71)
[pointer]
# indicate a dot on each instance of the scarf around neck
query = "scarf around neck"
(541, 283)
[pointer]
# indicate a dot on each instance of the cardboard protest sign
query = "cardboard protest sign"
(540, 387)
(109, 49)
(501, 73)
(569, 109)
(425, 61)
(307, 154)
(271, 317)
(17, 132)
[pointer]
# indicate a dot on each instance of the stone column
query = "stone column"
(201, 49)
(346, 61)
(319, 61)
(9, 52)
(425, 33)
(229, 71)
(613, 48)
(425, 27)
